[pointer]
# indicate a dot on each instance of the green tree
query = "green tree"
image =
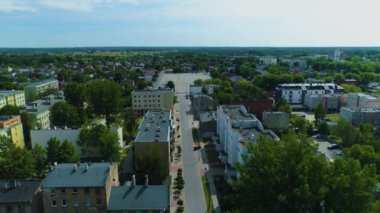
(16, 163)
(9, 110)
(319, 113)
(324, 128)
(28, 123)
(75, 94)
(104, 98)
(61, 152)
(64, 114)
(39, 155)
(150, 162)
(349, 88)
(171, 85)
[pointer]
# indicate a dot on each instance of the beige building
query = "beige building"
(82, 187)
(12, 97)
(11, 126)
(144, 100)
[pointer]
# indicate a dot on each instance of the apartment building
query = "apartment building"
(12, 97)
(34, 89)
(11, 126)
(330, 101)
(235, 129)
(361, 115)
(154, 133)
(20, 196)
(159, 99)
(81, 187)
(362, 100)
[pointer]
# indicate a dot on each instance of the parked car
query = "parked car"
(335, 146)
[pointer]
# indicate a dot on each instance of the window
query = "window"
(63, 203)
(63, 191)
(87, 202)
(53, 203)
(86, 190)
(98, 190)
(52, 191)
(75, 191)
(99, 201)
(75, 202)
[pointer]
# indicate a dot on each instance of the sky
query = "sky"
(84, 23)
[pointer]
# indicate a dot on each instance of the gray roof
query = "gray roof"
(207, 116)
(141, 197)
(23, 192)
(155, 126)
(38, 83)
(45, 103)
(71, 175)
(235, 112)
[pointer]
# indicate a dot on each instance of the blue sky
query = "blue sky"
(73, 23)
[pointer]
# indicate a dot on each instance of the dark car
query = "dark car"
(335, 146)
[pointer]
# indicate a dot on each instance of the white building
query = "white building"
(235, 128)
(362, 100)
(295, 93)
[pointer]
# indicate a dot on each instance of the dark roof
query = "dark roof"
(23, 192)
(72, 175)
(141, 197)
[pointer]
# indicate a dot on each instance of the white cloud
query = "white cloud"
(84, 5)
(9, 6)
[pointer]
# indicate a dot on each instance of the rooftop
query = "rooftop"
(38, 83)
(207, 116)
(235, 112)
(361, 109)
(10, 92)
(155, 126)
(138, 198)
(18, 191)
(44, 103)
(77, 175)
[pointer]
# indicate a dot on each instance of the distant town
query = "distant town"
(190, 130)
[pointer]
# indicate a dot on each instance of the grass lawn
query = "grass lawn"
(209, 205)
(333, 117)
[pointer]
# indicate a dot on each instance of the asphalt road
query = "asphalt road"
(194, 196)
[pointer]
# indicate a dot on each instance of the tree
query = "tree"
(39, 155)
(16, 163)
(351, 88)
(282, 106)
(171, 85)
(290, 176)
(150, 162)
(64, 114)
(75, 94)
(324, 128)
(61, 152)
(319, 113)
(104, 98)
(9, 110)
(28, 123)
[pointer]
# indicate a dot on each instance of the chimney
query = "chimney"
(146, 181)
(133, 180)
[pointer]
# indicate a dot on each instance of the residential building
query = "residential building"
(20, 196)
(207, 124)
(201, 103)
(140, 198)
(79, 187)
(154, 133)
(330, 102)
(295, 93)
(11, 126)
(236, 128)
(199, 89)
(276, 120)
(363, 100)
(12, 97)
(42, 136)
(256, 107)
(268, 60)
(361, 115)
(144, 100)
(33, 90)
(39, 110)
(196, 89)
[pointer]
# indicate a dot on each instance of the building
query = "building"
(295, 93)
(363, 100)
(81, 187)
(256, 107)
(39, 110)
(20, 196)
(12, 97)
(235, 129)
(276, 120)
(207, 124)
(361, 115)
(268, 60)
(144, 100)
(203, 89)
(140, 198)
(154, 133)
(33, 90)
(201, 103)
(11, 126)
(331, 102)
(42, 136)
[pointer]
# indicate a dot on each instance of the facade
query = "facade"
(361, 115)
(39, 110)
(197, 89)
(276, 120)
(201, 103)
(144, 100)
(256, 107)
(36, 88)
(140, 198)
(295, 93)
(268, 60)
(20, 196)
(330, 102)
(236, 128)
(207, 124)
(81, 187)
(154, 133)
(362, 100)
(11, 126)
(42, 136)
(12, 97)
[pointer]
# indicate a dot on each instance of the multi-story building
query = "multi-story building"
(295, 93)
(154, 133)
(33, 90)
(144, 100)
(236, 128)
(81, 187)
(12, 97)
(361, 115)
(276, 120)
(363, 100)
(39, 110)
(268, 60)
(20, 196)
(330, 102)
(11, 126)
